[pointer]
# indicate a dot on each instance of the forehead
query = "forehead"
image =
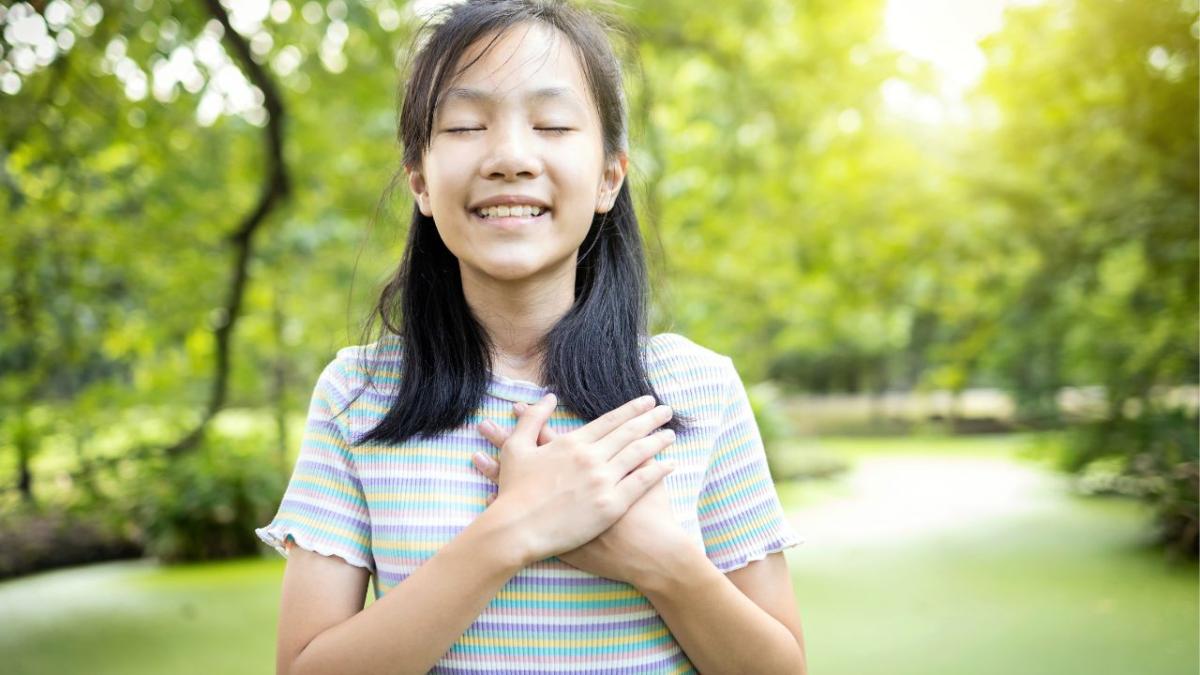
(526, 60)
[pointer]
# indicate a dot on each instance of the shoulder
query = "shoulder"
(689, 370)
(355, 367)
(674, 350)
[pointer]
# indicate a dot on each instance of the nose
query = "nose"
(512, 153)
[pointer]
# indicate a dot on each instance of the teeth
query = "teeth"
(511, 211)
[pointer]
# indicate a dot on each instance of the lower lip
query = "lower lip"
(510, 222)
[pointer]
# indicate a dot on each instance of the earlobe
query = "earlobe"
(420, 191)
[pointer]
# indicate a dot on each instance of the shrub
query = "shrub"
(205, 505)
(41, 539)
(1154, 457)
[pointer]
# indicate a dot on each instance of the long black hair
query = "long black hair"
(592, 357)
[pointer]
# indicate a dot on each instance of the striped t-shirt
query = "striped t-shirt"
(390, 509)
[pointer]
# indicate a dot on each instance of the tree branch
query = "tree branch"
(275, 189)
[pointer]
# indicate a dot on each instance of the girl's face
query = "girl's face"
(518, 132)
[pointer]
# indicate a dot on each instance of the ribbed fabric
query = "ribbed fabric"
(389, 509)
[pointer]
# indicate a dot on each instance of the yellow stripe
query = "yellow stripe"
(485, 641)
(734, 534)
(337, 486)
(352, 367)
(572, 594)
(337, 442)
(328, 528)
(685, 667)
(716, 496)
(731, 445)
(424, 498)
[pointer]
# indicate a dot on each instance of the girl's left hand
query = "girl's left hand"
(634, 548)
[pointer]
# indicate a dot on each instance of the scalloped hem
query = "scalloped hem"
(275, 536)
(739, 563)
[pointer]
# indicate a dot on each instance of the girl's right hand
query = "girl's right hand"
(565, 493)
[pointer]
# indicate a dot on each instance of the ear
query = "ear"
(610, 182)
(420, 191)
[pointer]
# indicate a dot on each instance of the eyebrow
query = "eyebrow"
(479, 95)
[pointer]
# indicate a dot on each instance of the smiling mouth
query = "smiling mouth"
(509, 216)
(510, 211)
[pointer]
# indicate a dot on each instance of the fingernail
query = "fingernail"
(488, 426)
(645, 401)
(668, 433)
(551, 398)
(519, 406)
(485, 460)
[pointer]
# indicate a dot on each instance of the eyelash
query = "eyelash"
(557, 131)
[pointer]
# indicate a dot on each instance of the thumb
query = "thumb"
(546, 434)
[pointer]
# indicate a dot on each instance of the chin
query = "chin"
(513, 270)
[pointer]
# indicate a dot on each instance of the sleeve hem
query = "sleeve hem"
(274, 536)
(727, 566)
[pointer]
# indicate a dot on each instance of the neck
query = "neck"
(517, 313)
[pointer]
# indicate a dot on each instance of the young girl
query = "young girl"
(496, 461)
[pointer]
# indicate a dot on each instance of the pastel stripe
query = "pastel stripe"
(390, 509)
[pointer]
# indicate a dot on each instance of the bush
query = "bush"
(42, 539)
(1154, 457)
(205, 505)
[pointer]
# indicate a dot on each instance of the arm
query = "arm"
(745, 622)
(323, 627)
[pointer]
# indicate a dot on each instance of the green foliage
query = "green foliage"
(1153, 456)
(206, 505)
(772, 425)
(42, 539)
(1094, 166)
(808, 229)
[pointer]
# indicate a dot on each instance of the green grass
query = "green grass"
(137, 617)
(1013, 574)
(931, 556)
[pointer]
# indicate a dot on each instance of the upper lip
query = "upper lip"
(503, 200)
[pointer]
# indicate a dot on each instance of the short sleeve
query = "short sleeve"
(324, 508)
(741, 517)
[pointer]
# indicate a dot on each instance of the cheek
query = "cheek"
(579, 180)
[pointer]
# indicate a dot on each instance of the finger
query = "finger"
(529, 424)
(494, 434)
(547, 433)
(604, 424)
(636, 454)
(635, 429)
(486, 465)
(638, 482)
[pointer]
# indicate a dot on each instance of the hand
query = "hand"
(562, 494)
(629, 549)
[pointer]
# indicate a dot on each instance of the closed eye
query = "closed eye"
(555, 130)
(461, 130)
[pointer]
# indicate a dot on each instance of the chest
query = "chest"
(421, 494)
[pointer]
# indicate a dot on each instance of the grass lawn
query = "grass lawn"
(930, 556)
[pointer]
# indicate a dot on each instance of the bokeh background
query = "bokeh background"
(952, 247)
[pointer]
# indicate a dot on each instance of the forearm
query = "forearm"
(719, 628)
(414, 624)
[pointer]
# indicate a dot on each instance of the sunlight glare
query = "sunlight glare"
(944, 33)
(902, 498)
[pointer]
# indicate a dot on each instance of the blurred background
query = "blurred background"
(952, 247)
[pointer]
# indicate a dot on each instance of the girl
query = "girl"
(496, 461)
